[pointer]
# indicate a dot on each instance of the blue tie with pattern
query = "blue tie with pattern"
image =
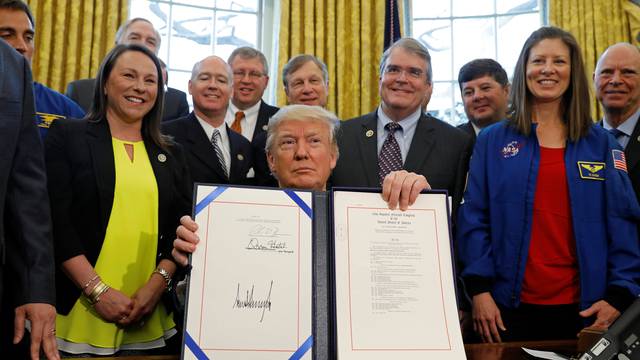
(390, 158)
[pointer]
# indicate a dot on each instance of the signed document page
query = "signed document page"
(395, 295)
(250, 289)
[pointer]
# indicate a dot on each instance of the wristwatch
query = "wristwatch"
(165, 275)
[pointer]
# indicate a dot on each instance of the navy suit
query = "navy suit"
(263, 175)
(26, 250)
(201, 156)
(438, 151)
(632, 153)
(469, 130)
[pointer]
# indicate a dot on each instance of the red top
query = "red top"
(551, 273)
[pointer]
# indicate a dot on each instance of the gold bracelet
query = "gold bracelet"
(165, 276)
(94, 295)
(106, 287)
(89, 282)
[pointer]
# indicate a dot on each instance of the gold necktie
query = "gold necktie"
(236, 126)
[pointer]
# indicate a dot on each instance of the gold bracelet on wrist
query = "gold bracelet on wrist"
(165, 276)
(96, 292)
(85, 286)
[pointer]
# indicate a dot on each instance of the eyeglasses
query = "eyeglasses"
(396, 71)
(253, 75)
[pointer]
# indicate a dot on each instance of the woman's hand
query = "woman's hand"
(114, 306)
(605, 314)
(486, 318)
(186, 240)
(145, 300)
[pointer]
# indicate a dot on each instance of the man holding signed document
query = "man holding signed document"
(301, 151)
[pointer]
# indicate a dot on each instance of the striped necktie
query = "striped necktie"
(216, 140)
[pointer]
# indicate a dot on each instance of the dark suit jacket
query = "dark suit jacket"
(175, 101)
(26, 250)
(81, 176)
(263, 175)
(265, 112)
(201, 156)
(438, 151)
(469, 130)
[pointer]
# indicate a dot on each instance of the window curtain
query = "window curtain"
(72, 37)
(596, 24)
(348, 35)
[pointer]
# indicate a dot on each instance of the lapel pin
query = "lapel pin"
(162, 158)
(369, 133)
(265, 127)
(240, 157)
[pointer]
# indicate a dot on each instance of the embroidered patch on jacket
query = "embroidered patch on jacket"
(619, 160)
(591, 170)
(511, 149)
(44, 120)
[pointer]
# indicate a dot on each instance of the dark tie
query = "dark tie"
(390, 158)
(216, 141)
(237, 125)
(619, 135)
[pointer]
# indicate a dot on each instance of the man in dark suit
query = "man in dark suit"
(248, 114)
(484, 87)
(134, 31)
(399, 131)
(617, 85)
(215, 153)
(25, 240)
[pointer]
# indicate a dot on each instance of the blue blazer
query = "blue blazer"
(495, 220)
(25, 239)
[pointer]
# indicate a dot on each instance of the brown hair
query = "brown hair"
(575, 101)
(151, 121)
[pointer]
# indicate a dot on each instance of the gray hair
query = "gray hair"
(411, 46)
(246, 52)
(196, 68)
(124, 27)
(298, 61)
(304, 113)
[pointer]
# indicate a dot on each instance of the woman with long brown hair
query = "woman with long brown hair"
(547, 232)
(117, 188)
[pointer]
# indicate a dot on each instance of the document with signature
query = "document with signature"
(394, 282)
(250, 289)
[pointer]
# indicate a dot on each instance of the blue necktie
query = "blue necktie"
(619, 135)
(390, 158)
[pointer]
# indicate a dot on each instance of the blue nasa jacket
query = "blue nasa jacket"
(494, 222)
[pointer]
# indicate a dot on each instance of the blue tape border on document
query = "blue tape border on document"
(303, 205)
(195, 349)
(188, 340)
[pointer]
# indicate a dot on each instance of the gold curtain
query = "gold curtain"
(348, 36)
(72, 37)
(596, 24)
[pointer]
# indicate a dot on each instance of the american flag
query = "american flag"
(619, 161)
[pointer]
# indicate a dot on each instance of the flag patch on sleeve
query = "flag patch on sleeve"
(619, 161)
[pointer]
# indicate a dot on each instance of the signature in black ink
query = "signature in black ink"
(250, 303)
(263, 230)
(270, 245)
(254, 244)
